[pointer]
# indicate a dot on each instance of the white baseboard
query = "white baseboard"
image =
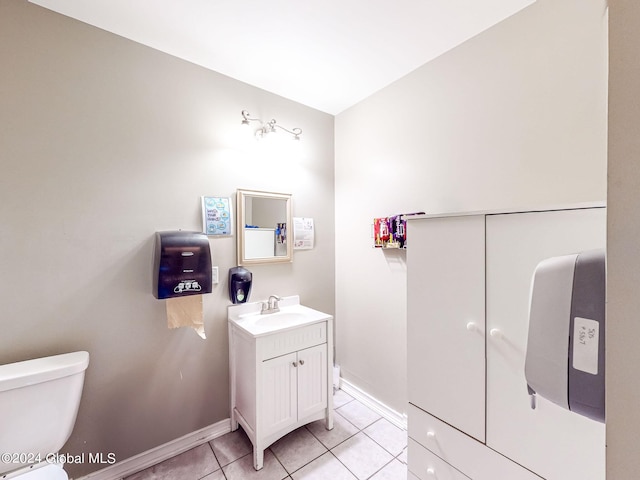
(398, 419)
(139, 462)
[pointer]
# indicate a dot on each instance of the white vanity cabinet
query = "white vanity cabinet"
(294, 386)
(280, 369)
(468, 291)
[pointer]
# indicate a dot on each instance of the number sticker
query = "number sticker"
(585, 345)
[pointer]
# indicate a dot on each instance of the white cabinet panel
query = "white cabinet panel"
(553, 442)
(294, 386)
(446, 307)
(428, 466)
(271, 346)
(312, 380)
(466, 454)
(279, 393)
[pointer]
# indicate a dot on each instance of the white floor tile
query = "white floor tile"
(362, 456)
(341, 398)
(193, 464)
(342, 429)
(297, 449)
(231, 446)
(327, 467)
(358, 414)
(388, 436)
(243, 469)
(392, 471)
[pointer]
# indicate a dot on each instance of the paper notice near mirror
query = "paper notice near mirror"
(186, 312)
(303, 233)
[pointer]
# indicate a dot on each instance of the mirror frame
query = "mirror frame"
(241, 196)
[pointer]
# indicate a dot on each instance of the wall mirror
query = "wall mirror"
(264, 227)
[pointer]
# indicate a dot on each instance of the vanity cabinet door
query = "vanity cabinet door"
(446, 320)
(294, 386)
(278, 397)
(312, 380)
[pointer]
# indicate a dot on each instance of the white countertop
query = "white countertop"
(247, 316)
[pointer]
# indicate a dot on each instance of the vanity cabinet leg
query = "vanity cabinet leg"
(329, 419)
(258, 458)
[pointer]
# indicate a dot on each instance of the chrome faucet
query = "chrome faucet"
(271, 305)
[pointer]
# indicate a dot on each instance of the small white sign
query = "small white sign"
(586, 334)
(303, 233)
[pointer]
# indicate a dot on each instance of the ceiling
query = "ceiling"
(327, 54)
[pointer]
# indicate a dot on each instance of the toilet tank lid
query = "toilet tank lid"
(38, 370)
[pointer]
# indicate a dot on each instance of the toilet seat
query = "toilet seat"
(48, 472)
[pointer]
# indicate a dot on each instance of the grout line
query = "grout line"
(380, 469)
(348, 421)
(347, 468)
(217, 460)
(379, 444)
(288, 474)
(339, 443)
(313, 459)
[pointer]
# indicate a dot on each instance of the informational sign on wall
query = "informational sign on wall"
(216, 216)
(303, 233)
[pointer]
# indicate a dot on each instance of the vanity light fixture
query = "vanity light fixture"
(269, 127)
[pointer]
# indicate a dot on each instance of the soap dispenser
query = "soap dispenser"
(239, 284)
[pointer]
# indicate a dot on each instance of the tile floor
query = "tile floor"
(362, 445)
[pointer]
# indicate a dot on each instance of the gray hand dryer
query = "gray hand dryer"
(566, 342)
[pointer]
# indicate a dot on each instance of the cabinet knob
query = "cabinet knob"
(295, 364)
(301, 362)
(472, 326)
(495, 333)
(431, 434)
(431, 471)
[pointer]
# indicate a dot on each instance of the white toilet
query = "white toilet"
(39, 402)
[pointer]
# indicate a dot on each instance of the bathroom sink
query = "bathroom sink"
(280, 319)
(291, 315)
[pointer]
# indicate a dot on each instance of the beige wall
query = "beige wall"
(103, 143)
(515, 117)
(623, 261)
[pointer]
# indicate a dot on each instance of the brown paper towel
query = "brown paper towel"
(186, 312)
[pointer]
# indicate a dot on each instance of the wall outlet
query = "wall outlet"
(214, 275)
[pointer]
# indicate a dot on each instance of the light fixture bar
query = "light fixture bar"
(269, 127)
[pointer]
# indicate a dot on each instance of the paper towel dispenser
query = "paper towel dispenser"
(565, 358)
(181, 265)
